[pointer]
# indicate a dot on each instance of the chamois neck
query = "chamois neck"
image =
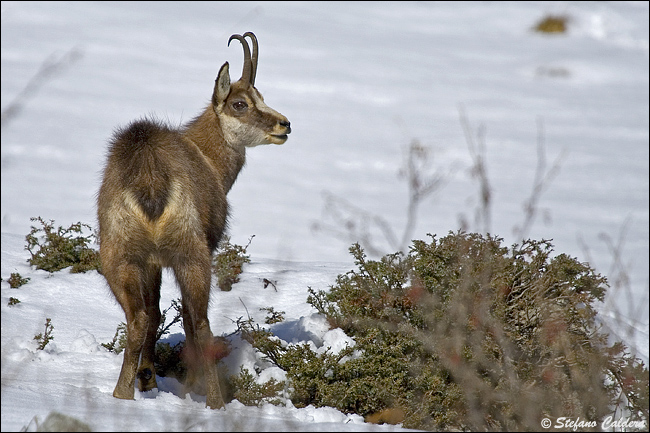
(227, 160)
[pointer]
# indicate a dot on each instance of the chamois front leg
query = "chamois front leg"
(200, 351)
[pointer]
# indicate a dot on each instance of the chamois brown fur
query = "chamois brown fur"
(162, 203)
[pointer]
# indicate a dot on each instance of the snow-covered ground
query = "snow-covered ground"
(359, 82)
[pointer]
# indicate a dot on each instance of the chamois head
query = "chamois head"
(245, 118)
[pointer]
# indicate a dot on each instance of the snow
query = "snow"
(359, 81)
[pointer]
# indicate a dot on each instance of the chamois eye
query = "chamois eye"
(239, 105)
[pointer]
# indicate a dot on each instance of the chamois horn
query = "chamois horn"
(247, 71)
(254, 57)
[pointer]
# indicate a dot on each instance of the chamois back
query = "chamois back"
(153, 170)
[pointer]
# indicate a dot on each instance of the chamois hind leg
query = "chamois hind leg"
(127, 283)
(151, 294)
(193, 377)
(199, 354)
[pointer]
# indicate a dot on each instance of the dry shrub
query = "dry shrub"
(552, 24)
(464, 333)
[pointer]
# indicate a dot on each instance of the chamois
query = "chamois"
(162, 203)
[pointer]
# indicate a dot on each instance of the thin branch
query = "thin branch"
(47, 70)
(417, 159)
(479, 169)
(542, 180)
(354, 224)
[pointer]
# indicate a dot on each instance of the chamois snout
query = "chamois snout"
(284, 125)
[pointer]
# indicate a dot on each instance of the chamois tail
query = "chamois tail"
(139, 151)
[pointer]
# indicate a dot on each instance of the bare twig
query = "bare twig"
(621, 286)
(48, 69)
(479, 170)
(543, 179)
(420, 187)
(354, 224)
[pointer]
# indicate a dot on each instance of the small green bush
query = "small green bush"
(272, 315)
(168, 360)
(552, 24)
(118, 344)
(463, 333)
(163, 328)
(15, 280)
(60, 248)
(13, 301)
(44, 338)
(228, 263)
(248, 392)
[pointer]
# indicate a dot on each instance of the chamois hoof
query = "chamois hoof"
(124, 394)
(215, 403)
(146, 380)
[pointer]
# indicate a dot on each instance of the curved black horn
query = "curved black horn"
(254, 58)
(247, 70)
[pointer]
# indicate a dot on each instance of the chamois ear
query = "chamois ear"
(221, 85)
